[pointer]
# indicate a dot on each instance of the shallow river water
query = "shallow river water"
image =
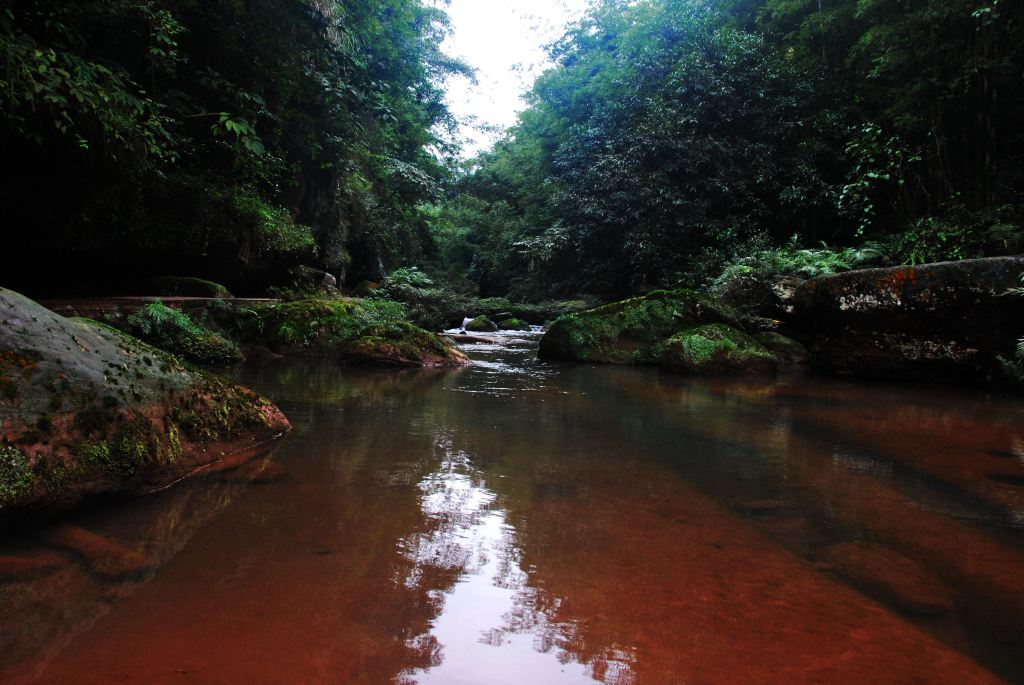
(529, 523)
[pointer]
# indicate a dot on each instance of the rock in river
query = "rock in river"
(86, 409)
(631, 331)
(946, 321)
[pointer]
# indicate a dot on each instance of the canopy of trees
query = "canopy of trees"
(675, 135)
(232, 139)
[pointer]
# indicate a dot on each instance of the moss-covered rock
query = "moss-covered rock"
(715, 349)
(632, 330)
(481, 324)
(356, 331)
(188, 286)
(88, 409)
(513, 324)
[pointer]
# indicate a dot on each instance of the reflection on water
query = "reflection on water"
(522, 522)
(491, 604)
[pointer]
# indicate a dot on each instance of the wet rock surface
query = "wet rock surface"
(86, 409)
(942, 321)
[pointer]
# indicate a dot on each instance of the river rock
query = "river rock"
(481, 324)
(86, 409)
(716, 349)
(633, 330)
(104, 556)
(766, 297)
(888, 575)
(948, 321)
(787, 350)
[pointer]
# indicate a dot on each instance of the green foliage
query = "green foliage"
(174, 331)
(792, 260)
(958, 233)
(409, 276)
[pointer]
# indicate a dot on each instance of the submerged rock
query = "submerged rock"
(260, 472)
(30, 565)
(716, 349)
(888, 575)
(947, 321)
(631, 331)
(104, 557)
(86, 409)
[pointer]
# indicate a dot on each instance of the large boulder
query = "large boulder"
(631, 331)
(86, 409)
(942, 321)
(716, 349)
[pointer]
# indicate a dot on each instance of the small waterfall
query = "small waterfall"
(464, 322)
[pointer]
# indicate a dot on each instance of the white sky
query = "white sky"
(504, 40)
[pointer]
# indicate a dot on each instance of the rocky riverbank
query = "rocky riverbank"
(86, 409)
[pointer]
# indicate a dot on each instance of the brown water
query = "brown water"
(520, 522)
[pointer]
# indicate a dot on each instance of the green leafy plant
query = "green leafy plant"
(174, 331)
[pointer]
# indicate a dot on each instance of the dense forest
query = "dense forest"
(672, 142)
(223, 139)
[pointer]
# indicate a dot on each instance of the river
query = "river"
(529, 523)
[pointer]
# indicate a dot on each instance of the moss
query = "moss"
(15, 475)
(630, 331)
(481, 324)
(513, 324)
(715, 349)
